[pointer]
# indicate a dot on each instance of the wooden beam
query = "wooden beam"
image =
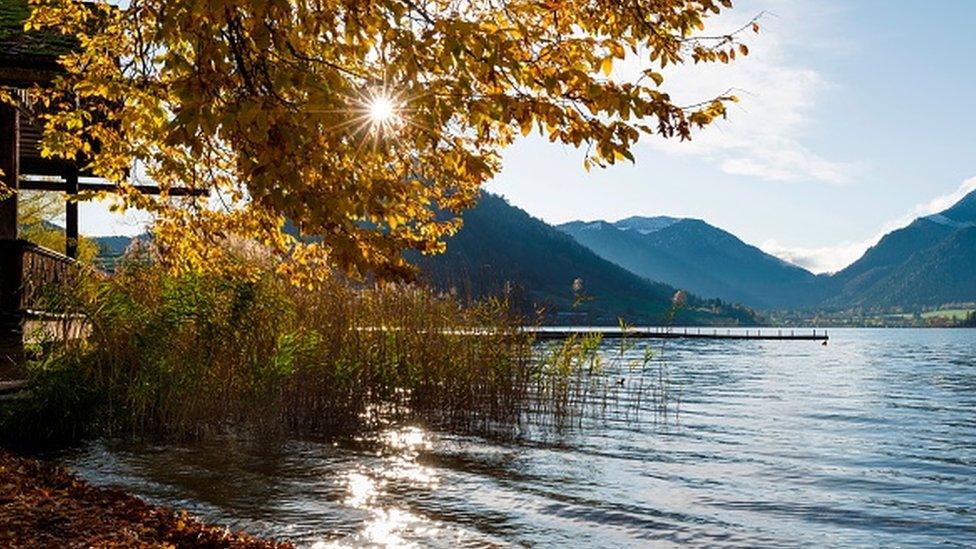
(51, 167)
(71, 213)
(61, 186)
(25, 77)
(10, 165)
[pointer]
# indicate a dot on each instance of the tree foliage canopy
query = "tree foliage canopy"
(366, 122)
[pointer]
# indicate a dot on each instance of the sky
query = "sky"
(854, 118)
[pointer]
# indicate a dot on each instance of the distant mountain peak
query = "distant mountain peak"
(501, 248)
(646, 225)
(691, 254)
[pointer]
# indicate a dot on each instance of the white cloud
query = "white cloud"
(763, 136)
(784, 160)
(946, 201)
(828, 259)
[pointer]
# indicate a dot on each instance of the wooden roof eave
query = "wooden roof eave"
(25, 71)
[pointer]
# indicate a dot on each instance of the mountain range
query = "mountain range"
(929, 263)
(502, 249)
(631, 268)
(699, 257)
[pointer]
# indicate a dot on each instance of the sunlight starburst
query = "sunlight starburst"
(383, 112)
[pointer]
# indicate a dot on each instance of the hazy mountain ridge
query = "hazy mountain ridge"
(501, 247)
(646, 225)
(699, 257)
(928, 263)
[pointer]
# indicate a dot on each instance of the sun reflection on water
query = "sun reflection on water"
(366, 488)
(362, 490)
(408, 438)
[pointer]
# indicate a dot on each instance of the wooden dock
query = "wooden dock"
(773, 334)
(544, 333)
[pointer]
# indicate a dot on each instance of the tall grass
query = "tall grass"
(186, 355)
(586, 377)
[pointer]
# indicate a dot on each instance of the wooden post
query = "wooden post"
(10, 165)
(11, 267)
(11, 320)
(11, 279)
(71, 213)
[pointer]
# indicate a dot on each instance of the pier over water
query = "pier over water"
(659, 332)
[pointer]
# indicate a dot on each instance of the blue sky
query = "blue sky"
(855, 117)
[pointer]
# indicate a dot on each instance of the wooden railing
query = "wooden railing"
(47, 278)
(36, 302)
(34, 279)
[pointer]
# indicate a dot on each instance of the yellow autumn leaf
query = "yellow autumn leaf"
(327, 117)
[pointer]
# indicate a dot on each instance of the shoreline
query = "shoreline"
(44, 505)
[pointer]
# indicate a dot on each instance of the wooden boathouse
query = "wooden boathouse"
(31, 276)
(28, 61)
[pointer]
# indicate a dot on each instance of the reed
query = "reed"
(192, 354)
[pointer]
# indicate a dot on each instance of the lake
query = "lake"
(870, 440)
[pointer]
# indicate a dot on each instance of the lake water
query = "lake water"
(870, 440)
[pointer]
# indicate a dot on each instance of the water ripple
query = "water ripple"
(868, 441)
